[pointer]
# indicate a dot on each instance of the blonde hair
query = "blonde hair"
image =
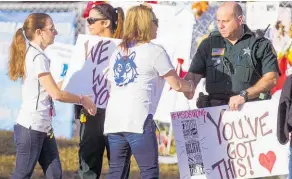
(138, 25)
(16, 68)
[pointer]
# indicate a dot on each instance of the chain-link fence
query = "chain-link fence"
(48, 7)
(203, 25)
(201, 28)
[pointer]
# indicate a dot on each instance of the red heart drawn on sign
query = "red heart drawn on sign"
(268, 160)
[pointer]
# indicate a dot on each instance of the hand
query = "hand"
(189, 95)
(88, 104)
(235, 102)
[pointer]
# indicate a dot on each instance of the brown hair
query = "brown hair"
(115, 15)
(16, 68)
(139, 23)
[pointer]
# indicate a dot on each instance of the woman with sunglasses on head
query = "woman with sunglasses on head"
(33, 132)
(105, 21)
(137, 71)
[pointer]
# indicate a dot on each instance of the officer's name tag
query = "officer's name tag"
(218, 51)
(216, 60)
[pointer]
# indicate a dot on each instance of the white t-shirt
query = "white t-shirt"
(35, 108)
(136, 86)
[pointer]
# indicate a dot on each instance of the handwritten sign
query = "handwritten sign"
(238, 144)
(88, 68)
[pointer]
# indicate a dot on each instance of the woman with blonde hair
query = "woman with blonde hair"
(105, 21)
(33, 132)
(137, 71)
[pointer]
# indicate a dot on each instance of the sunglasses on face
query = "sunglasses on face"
(92, 20)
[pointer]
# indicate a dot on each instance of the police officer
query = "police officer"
(237, 65)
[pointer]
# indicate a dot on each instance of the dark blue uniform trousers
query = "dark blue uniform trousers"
(32, 147)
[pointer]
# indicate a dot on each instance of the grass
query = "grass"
(68, 150)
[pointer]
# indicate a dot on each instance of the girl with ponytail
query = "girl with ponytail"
(33, 133)
(105, 21)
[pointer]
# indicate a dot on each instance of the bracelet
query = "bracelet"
(80, 100)
(191, 83)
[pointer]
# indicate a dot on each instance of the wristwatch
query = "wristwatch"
(244, 94)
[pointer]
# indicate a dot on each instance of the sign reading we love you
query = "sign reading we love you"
(240, 144)
(88, 68)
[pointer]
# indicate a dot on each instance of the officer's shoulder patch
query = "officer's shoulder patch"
(215, 33)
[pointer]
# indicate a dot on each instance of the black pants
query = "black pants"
(92, 145)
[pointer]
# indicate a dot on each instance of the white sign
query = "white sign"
(234, 144)
(60, 56)
(87, 72)
(260, 14)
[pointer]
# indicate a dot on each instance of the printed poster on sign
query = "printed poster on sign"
(188, 144)
(242, 144)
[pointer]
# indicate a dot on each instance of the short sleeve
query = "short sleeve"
(110, 72)
(267, 54)
(162, 63)
(198, 64)
(41, 64)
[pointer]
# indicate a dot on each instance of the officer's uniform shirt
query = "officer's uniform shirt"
(228, 68)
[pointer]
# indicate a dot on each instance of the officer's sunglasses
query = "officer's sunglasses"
(92, 20)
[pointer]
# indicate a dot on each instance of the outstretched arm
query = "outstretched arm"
(177, 83)
(47, 81)
(195, 78)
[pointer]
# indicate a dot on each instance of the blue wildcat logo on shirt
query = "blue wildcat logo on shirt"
(125, 69)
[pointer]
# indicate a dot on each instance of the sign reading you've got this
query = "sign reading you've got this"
(238, 144)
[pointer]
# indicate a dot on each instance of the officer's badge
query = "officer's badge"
(218, 51)
(246, 51)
